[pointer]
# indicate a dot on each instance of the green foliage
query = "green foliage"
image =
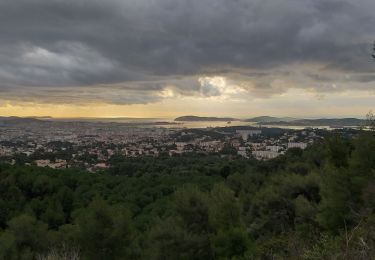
(338, 151)
(205, 226)
(24, 238)
(104, 231)
(326, 247)
(312, 204)
(231, 244)
(335, 207)
(305, 210)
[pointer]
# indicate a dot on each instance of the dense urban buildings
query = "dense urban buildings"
(91, 145)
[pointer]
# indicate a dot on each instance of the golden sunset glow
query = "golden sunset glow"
(309, 104)
(170, 58)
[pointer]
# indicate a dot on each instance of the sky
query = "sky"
(167, 58)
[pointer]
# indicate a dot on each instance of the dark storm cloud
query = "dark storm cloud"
(146, 45)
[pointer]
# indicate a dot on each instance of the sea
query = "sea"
(170, 123)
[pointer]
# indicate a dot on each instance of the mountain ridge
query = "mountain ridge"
(202, 118)
(284, 121)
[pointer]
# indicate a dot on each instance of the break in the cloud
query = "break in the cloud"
(144, 51)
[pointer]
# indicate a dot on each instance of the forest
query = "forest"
(313, 204)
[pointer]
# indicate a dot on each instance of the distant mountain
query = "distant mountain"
(41, 117)
(339, 122)
(15, 119)
(200, 118)
(268, 119)
(264, 120)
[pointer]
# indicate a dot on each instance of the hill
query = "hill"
(14, 119)
(262, 119)
(338, 122)
(199, 118)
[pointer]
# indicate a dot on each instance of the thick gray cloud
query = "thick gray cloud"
(139, 47)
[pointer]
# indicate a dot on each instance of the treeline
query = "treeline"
(312, 204)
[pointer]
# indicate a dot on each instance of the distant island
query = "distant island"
(280, 121)
(15, 119)
(261, 120)
(200, 118)
(268, 119)
(333, 122)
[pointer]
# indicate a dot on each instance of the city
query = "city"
(90, 145)
(187, 130)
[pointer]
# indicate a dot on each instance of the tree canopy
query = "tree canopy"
(312, 204)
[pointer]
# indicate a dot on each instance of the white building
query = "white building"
(297, 145)
(265, 154)
(246, 133)
(273, 148)
(256, 146)
(242, 151)
(42, 163)
(180, 145)
(58, 164)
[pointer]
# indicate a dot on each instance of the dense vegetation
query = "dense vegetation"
(312, 204)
